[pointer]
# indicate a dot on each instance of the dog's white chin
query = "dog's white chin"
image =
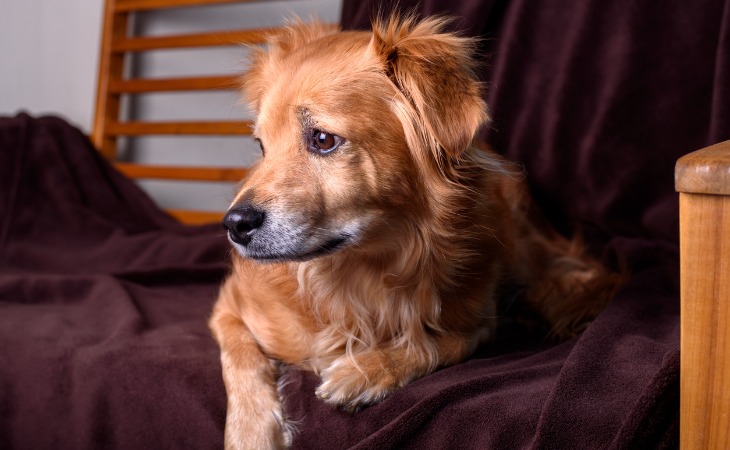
(286, 253)
(281, 239)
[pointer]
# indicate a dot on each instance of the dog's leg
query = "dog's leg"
(365, 378)
(368, 377)
(254, 418)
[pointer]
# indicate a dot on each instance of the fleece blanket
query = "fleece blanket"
(104, 299)
(103, 308)
(103, 304)
(597, 100)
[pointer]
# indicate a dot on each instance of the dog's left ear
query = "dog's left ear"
(434, 71)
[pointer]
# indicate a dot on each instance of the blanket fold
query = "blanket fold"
(103, 304)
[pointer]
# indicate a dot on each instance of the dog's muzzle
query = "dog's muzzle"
(242, 222)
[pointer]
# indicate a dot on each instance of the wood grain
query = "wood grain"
(147, 85)
(705, 321)
(211, 39)
(703, 180)
(196, 217)
(233, 128)
(111, 69)
(143, 5)
(706, 171)
(182, 173)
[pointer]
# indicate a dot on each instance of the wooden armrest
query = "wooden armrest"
(705, 171)
(702, 179)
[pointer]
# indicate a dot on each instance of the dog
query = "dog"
(371, 237)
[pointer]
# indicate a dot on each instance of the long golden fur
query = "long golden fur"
(373, 233)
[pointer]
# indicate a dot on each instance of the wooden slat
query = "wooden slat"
(141, 85)
(111, 68)
(182, 173)
(143, 5)
(238, 128)
(213, 39)
(196, 217)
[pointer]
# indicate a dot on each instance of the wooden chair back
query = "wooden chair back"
(117, 43)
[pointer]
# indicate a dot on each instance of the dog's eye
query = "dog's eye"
(322, 143)
(261, 146)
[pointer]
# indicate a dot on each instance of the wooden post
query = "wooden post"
(703, 181)
(111, 70)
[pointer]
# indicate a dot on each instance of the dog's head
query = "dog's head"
(351, 127)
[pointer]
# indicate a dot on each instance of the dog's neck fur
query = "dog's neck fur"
(361, 299)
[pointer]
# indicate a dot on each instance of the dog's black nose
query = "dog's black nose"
(241, 222)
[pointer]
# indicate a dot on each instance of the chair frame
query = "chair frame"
(703, 182)
(112, 85)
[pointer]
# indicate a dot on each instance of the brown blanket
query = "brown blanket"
(103, 303)
(104, 299)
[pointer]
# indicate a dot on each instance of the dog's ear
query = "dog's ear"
(266, 61)
(434, 71)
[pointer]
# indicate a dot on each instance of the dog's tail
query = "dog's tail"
(569, 288)
(564, 284)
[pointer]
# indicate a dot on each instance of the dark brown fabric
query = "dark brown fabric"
(103, 304)
(104, 299)
(597, 100)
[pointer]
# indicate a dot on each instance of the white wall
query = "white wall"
(49, 51)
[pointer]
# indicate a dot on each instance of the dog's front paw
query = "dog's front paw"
(351, 383)
(257, 423)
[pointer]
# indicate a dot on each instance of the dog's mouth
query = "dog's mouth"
(325, 248)
(321, 250)
(277, 236)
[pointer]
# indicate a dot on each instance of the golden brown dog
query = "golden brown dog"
(371, 236)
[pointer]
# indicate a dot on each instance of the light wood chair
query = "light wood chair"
(703, 182)
(117, 43)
